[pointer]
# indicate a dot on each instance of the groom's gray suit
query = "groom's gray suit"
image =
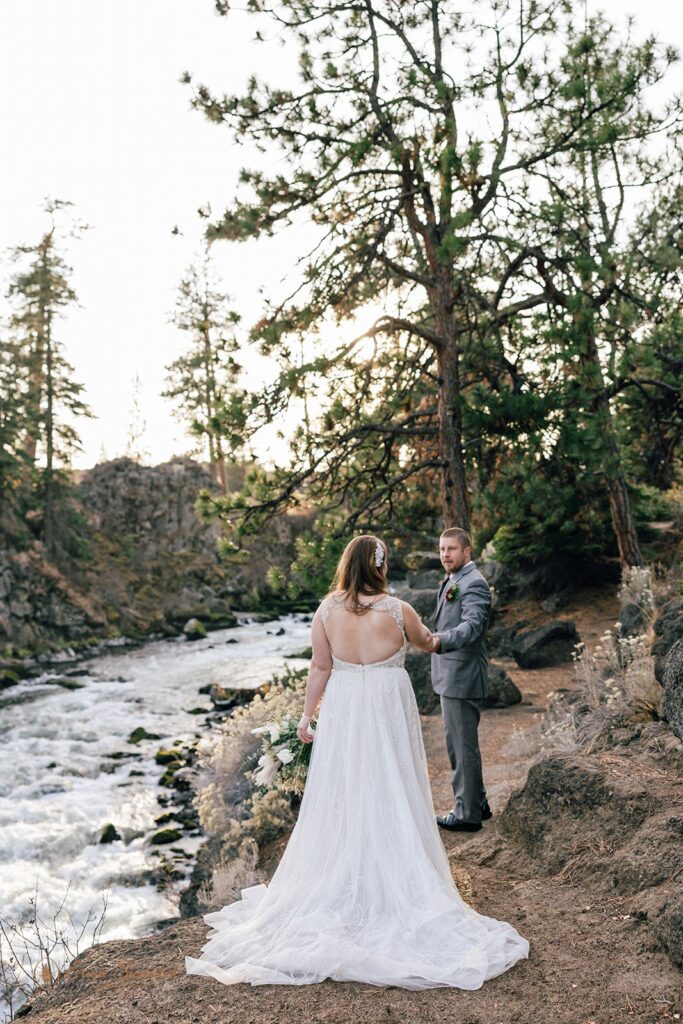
(460, 677)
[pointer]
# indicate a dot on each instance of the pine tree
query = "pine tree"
(201, 381)
(41, 292)
(449, 163)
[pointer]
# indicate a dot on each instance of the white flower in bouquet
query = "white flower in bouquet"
(267, 770)
(274, 733)
(285, 755)
(261, 730)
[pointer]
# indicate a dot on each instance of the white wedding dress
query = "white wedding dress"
(363, 891)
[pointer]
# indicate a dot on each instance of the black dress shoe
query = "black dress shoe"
(486, 812)
(453, 824)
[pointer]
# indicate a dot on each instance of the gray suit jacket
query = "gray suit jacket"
(461, 667)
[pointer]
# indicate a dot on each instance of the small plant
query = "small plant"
(636, 588)
(35, 953)
(230, 876)
(617, 688)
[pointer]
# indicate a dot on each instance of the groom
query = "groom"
(459, 675)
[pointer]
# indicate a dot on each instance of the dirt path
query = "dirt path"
(589, 962)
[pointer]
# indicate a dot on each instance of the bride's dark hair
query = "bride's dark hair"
(356, 572)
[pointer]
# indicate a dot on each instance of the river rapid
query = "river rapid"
(67, 769)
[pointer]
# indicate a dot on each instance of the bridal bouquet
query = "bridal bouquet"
(284, 761)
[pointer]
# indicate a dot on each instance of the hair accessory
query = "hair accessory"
(379, 554)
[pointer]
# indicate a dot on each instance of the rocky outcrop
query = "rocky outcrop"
(38, 604)
(545, 646)
(668, 629)
(672, 699)
(148, 564)
(615, 820)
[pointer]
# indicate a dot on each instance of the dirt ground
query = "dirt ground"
(589, 962)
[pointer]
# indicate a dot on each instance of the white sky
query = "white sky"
(92, 111)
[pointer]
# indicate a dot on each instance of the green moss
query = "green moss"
(166, 755)
(8, 678)
(165, 835)
(140, 734)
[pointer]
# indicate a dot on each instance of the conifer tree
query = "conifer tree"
(429, 148)
(201, 380)
(41, 293)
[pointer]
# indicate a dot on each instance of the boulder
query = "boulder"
(425, 579)
(668, 628)
(499, 638)
(632, 620)
(546, 646)
(194, 629)
(418, 561)
(672, 700)
(423, 601)
(8, 677)
(419, 670)
(501, 691)
(225, 698)
(166, 755)
(109, 834)
(165, 835)
(141, 733)
(554, 602)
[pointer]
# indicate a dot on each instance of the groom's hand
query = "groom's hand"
(436, 643)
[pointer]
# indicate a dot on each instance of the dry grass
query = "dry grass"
(616, 680)
(231, 876)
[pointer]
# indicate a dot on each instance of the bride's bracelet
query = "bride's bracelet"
(305, 718)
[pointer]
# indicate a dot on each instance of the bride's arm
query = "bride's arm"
(318, 674)
(416, 631)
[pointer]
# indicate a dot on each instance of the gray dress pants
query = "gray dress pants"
(461, 724)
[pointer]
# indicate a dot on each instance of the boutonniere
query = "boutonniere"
(453, 592)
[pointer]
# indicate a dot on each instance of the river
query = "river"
(60, 784)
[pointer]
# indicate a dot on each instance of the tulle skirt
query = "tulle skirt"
(363, 891)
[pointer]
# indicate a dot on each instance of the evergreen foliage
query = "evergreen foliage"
(488, 180)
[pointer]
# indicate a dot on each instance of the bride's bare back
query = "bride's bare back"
(368, 637)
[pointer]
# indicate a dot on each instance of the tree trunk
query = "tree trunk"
(453, 481)
(49, 440)
(221, 471)
(617, 494)
(622, 520)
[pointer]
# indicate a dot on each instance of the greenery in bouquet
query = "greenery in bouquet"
(284, 760)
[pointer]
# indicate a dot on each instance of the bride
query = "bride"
(363, 891)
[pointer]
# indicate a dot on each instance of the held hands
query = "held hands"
(303, 731)
(432, 643)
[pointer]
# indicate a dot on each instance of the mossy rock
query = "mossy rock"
(165, 836)
(168, 778)
(306, 654)
(165, 755)
(65, 684)
(8, 677)
(109, 834)
(194, 629)
(141, 733)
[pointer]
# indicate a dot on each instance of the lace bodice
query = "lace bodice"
(389, 605)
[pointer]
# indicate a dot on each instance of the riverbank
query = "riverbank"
(593, 959)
